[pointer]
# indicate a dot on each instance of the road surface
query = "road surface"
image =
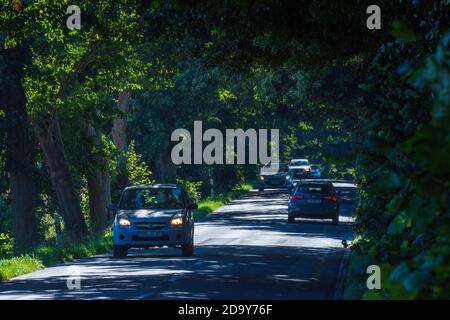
(246, 250)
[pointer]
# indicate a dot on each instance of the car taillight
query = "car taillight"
(332, 198)
(295, 197)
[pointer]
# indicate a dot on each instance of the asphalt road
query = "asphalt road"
(246, 250)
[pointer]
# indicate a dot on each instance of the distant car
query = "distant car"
(315, 171)
(269, 178)
(300, 169)
(314, 200)
(299, 162)
(153, 216)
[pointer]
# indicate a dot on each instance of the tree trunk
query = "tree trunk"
(166, 170)
(50, 140)
(19, 151)
(99, 188)
(119, 134)
(99, 198)
(120, 124)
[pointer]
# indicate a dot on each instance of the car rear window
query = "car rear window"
(314, 188)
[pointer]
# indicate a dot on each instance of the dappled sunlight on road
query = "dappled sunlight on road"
(246, 250)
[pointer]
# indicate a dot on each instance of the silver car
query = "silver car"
(154, 216)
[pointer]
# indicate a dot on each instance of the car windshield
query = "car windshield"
(299, 162)
(151, 198)
(313, 188)
(267, 169)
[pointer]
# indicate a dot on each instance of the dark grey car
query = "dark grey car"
(275, 179)
(315, 200)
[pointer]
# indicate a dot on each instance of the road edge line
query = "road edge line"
(342, 275)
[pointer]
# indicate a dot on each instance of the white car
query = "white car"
(300, 169)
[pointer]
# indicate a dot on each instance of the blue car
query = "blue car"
(153, 216)
(314, 200)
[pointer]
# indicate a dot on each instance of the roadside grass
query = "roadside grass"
(206, 207)
(46, 255)
(49, 254)
(211, 204)
(13, 267)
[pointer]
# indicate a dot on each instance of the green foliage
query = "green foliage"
(6, 245)
(242, 187)
(46, 224)
(137, 169)
(402, 218)
(237, 66)
(402, 31)
(6, 240)
(5, 215)
(73, 75)
(192, 188)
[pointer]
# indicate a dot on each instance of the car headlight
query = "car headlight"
(261, 177)
(124, 222)
(177, 221)
(288, 177)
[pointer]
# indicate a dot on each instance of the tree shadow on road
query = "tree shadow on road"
(277, 260)
(215, 272)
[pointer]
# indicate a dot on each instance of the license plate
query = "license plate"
(314, 201)
(151, 234)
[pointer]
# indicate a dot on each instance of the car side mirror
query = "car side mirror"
(112, 207)
(193, 206)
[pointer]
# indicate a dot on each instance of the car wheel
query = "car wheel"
(187, 249)
(120, 251)
(336, 219)
(291, 219)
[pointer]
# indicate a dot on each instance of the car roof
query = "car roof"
(315, 182)
(154, 186)
(299, 160)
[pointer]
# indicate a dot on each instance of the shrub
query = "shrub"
(403, 214)
(6, 245)
(192, 188)
(138, 171)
